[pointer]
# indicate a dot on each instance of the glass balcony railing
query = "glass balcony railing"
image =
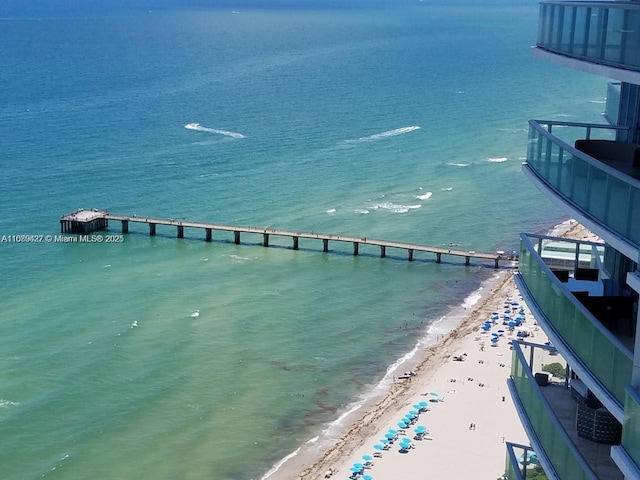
(607, 359)
(604, 192)
(522, 462)
(566, 460)
(631, 428)
(612, 107)
(606, 33)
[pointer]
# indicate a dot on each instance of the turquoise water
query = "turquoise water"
(178, 359)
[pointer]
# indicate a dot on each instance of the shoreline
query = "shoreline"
(311, 461)
(400, 392)
(311, 456)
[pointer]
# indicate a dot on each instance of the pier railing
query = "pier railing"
(86, 221)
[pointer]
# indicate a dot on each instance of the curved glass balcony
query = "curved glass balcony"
(607, 360)
(605, 33)
(558, 449)
(607, 193)
(631, 429)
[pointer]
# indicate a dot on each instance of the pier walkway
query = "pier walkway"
(86, 221)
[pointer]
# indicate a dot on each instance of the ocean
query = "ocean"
(159, 358)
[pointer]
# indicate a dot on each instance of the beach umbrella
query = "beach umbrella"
(378, 446)
(389, 435)
(402, 425)
(495, 334)
(512, 324)
(495, 340)
(407, 419)
(391, 430)
(367, 458)
(422, 428)
(358, 465)
(355, 470)
(415, 413)
(514, 304)
(500, 331)
(384, 440)
(417, 406)
(423, 404)
(367, 477)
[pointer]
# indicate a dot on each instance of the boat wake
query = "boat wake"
(200, 128)
(388, 133)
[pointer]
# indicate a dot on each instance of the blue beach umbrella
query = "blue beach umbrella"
(384, 441)
(367, 477)
(423, 404)
(378, 446)
(495, 340)
(389, 435)
(417, 406)
(358, 465)
(391, 430)
(367, 458)
(421, 428)
(402, 425)
(415, 413)
(355, 470)
(407, 419)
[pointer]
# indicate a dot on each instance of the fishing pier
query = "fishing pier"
(84, 222)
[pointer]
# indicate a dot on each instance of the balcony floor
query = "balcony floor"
(596, 454)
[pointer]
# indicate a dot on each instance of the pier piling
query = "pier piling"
(295, 243)
(383, 251)
(125, 226)
(207, 235)
(265, 240)
(180, 231)
(356, 246)
(236, 237)
(152, 229)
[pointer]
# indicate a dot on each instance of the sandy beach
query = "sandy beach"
(470, 414)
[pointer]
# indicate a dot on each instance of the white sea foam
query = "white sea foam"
(425, 196)
(497, 159)
(472, 299)
(447, 189)
(388, 133)
(200, 128)
(7, 403)
(331, 210)
(597, 101)
(361, 211)
(195, 314)
(277, 466)
(395, 208)
(458, 164)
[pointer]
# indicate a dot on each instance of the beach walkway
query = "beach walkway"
(84, 222)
